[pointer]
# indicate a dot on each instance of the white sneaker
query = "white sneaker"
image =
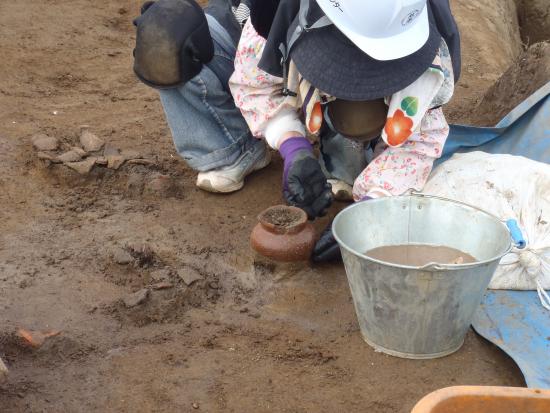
(231, 178)
(341, 190)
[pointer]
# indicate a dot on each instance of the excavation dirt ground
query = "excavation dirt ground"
(151, 281)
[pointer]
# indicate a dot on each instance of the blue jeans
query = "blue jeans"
(207, 128)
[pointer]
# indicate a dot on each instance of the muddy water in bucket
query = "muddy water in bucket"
(420, 255)
(418, 311)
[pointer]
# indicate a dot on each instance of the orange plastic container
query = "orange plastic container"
(485, 399)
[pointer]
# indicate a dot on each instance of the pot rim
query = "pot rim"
(292, 229)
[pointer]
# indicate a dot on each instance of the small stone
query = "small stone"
(115, 161)
(140, 161)
(122, 257)
(137, 298)
(43, 142)
(189, 275)
(100, 160)
(110, 150)
(82, 167)
(70, 156)
(130, 154)
(195, 406)
(90, 142)
(79, 151)
(162, 286)
(162, 275)
(47, 157)
(214, 285)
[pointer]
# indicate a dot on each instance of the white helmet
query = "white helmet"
(383, 29)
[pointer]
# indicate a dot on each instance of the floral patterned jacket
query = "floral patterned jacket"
(412, 138)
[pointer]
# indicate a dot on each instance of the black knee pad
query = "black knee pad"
(172, 43)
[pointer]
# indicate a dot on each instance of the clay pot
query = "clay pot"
(283, 234)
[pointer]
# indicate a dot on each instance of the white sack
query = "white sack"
(509, 187)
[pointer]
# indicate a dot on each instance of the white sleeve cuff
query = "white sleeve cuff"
(283, 122)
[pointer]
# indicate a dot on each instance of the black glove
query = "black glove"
(304, 183)
(326, 249)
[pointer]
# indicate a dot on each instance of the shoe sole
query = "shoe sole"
(207, 186)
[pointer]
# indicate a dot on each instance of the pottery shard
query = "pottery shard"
(137, 298)
(82, 167)
(43, 142)
(189, 275)
(70, 156)
(90, 142)
(115, 161)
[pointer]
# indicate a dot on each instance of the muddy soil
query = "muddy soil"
(530, 71)
(160, 302)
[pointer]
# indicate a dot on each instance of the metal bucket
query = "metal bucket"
(418, 312)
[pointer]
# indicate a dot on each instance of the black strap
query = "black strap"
(301, 28)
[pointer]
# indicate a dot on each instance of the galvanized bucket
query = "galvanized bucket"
(418, 312)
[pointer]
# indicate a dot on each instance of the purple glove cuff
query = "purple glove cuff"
(291, 146)
(289, 149)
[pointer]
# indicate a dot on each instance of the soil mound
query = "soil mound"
(534, 19)
(527, 74)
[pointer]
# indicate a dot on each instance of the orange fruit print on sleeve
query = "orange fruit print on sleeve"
(398, 128)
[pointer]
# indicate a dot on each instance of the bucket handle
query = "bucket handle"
(512, 224)
(516, 234)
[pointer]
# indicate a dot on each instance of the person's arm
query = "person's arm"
(398, 169)
(274, 116)
(413, 136)
(259, 95)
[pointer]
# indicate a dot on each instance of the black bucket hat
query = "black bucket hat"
(332, 63)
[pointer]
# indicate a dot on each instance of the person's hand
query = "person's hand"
(304, 183)
(326, 249)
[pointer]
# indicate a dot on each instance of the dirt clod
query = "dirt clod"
(83, 167)
(137, 298)
(90, 142)
(70, 156)
(43, 142)
(122, 257)
(114, 161)
(189, 275)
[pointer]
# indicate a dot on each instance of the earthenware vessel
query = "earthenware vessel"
(283, 233)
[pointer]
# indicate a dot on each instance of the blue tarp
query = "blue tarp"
(515, 321)
(525, 131)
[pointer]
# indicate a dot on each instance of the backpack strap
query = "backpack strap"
(301, 28)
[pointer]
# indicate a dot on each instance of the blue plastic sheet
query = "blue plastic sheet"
(525, 131)
(515, 321)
